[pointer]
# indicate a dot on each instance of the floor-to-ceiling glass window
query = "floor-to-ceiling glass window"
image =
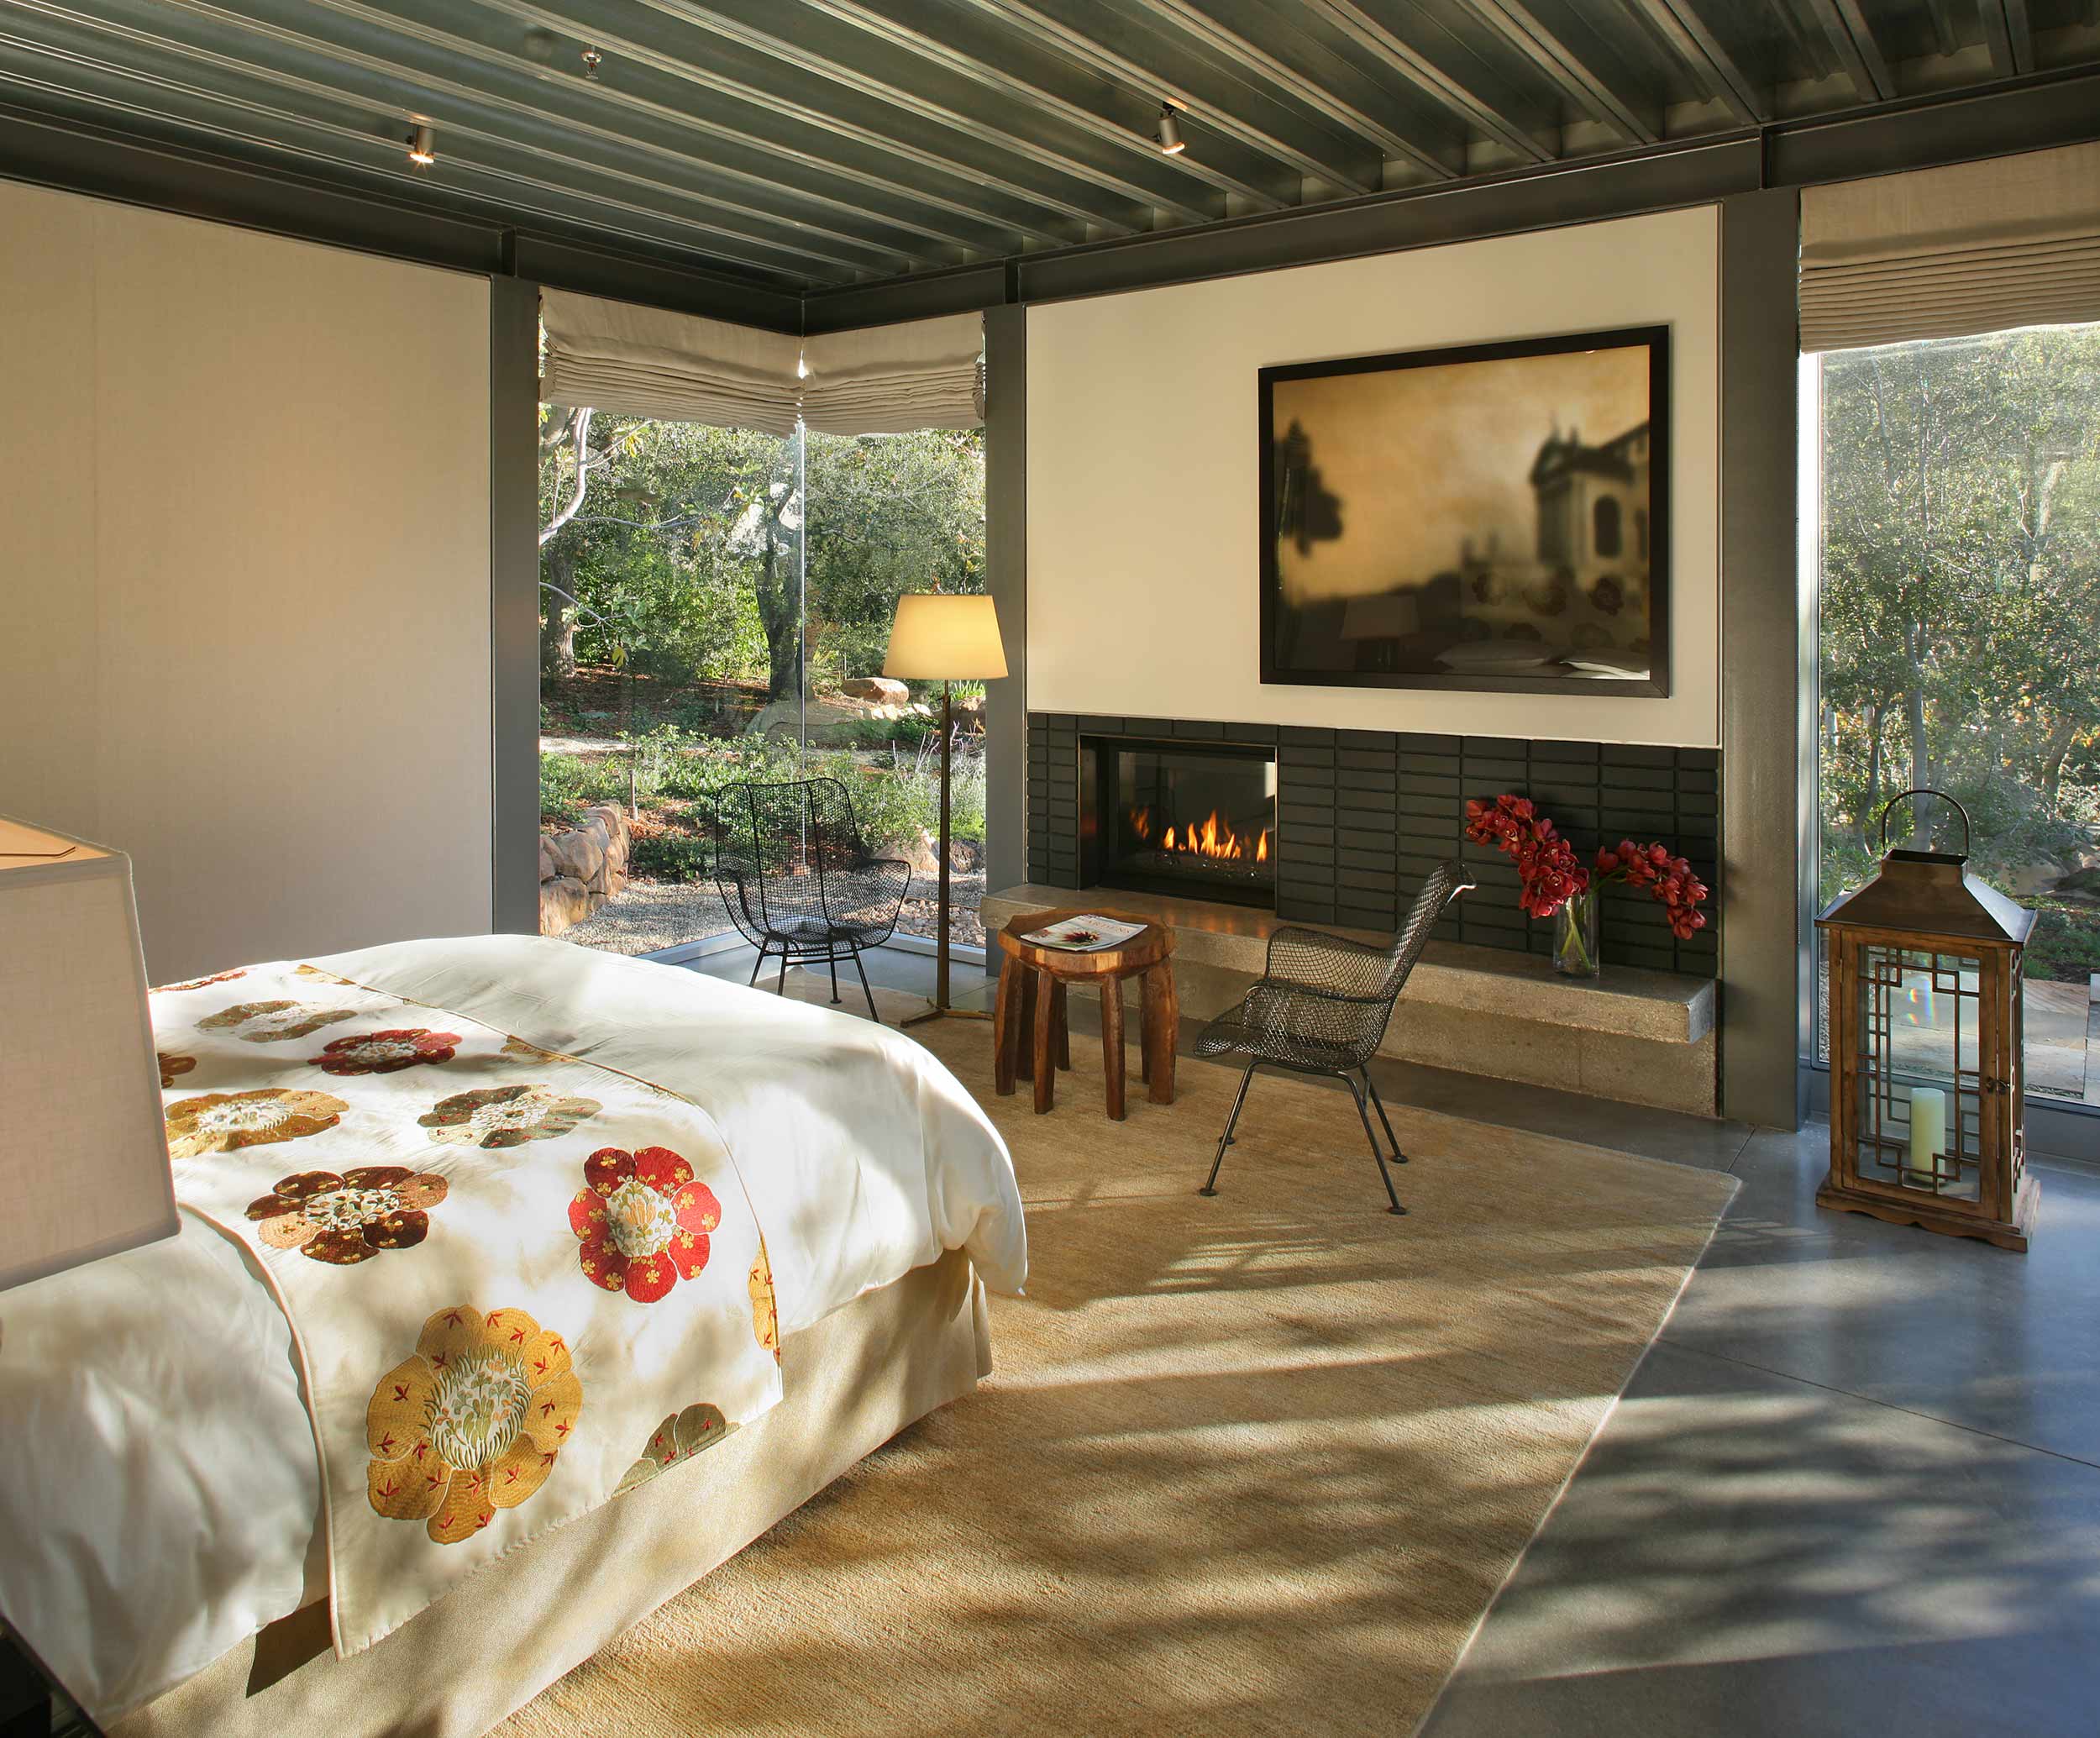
(715, 607)
(1960, 639)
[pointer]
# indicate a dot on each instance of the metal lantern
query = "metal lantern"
(1926, 1098)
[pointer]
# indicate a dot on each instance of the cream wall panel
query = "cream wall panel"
(48, 604)
(1143, 484)
(284, 595)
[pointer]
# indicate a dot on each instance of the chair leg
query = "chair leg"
(1232, 1122)
(757, 965)
(780, 987)
(1377, 1152)
(1378, 1104)
(864, 990)
(834, 965)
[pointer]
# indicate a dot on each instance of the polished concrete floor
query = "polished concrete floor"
(1854, 1489)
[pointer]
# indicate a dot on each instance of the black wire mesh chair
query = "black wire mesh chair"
(1321, 1007)
(799, 881)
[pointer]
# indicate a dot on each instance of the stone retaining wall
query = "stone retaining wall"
(582, 867)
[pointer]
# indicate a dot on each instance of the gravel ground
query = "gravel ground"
(653, 914)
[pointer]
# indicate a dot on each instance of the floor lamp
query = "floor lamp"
(944, 638)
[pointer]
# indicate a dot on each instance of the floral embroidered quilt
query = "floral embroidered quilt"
(518, 1281)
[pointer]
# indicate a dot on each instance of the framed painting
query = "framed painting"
(1492, 517)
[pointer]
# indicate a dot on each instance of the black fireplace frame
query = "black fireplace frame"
(1097, 800)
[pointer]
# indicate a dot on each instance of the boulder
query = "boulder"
(612, 820)
(563, 903)
(919, 850)
(579, 854)
(547, 870)
(885, 690)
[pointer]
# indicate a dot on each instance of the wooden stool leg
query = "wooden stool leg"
(1064, 1031)
(1045, 1047)
(1144, 1030)
(1112, 1044)
(1006, 1033)
(1024, 1040)
(1162, 1020)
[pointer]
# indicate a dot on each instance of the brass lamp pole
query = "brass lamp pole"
(944, 638)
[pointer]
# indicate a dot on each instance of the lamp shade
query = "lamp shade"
(83, 1150)
(940, 637)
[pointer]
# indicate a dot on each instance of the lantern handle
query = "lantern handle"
(1922, 790)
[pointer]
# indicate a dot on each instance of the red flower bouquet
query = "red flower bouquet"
(1669, 880)
(1546, 862)
(1554, 880)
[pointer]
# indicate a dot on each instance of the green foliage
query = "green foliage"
(681, 561)
(1961, 604)
(2066, 940)
(668, 856)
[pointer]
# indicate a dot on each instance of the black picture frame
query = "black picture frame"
(1276, 668)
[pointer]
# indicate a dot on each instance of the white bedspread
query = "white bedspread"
(160, 1503)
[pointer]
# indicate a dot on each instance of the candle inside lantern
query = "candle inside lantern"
(1928, 1133)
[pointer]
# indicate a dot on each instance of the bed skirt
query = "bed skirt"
(853, 1381)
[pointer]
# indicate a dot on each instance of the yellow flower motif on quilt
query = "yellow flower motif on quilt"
(494, 1117)
(470, 1424)
(171, 1066)
(765, 1310)
(222, 1121)
(273, 1022)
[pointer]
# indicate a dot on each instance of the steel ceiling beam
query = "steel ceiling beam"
(1518, 27)
(803, 59)
(2009, 35)
(473, 53)
(1945, 36)
(508, 202)
(1259, 63)
(454, 90)
(1146, 82)
(873, 256)
(1846, 28)
(1367, 33)
(801, 114)
(1701, 51)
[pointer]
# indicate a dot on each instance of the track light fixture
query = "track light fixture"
(592, 60)
(422, 144)
(1167, 133)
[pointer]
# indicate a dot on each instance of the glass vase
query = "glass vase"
(1575, 937)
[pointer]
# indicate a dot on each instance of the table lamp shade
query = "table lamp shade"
(83, 1150)
(942, 636)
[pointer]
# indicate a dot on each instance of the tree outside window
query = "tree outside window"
(1960, 607)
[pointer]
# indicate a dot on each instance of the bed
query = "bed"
(165, 1541)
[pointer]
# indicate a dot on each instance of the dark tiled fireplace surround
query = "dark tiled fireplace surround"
(1361, 816)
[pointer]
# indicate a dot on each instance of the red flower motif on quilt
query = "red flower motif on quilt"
(643, 1220)
(385, 1052)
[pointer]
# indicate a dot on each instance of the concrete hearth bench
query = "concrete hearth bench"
(1640, 1037)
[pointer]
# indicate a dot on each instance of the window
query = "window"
(1959, 637)
(1604, 524)
(716, 605)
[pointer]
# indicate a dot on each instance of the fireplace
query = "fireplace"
(1191, 818)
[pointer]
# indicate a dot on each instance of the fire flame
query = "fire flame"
(1212, 837)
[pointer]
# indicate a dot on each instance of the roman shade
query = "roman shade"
(886, 379)
(633, 361)
(1944, 253)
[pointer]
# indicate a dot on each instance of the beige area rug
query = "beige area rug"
(1252, 1464)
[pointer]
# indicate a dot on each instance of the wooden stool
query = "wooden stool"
(1029, 1035)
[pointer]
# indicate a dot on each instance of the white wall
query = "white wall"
(244, 576)
(1143, 509)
